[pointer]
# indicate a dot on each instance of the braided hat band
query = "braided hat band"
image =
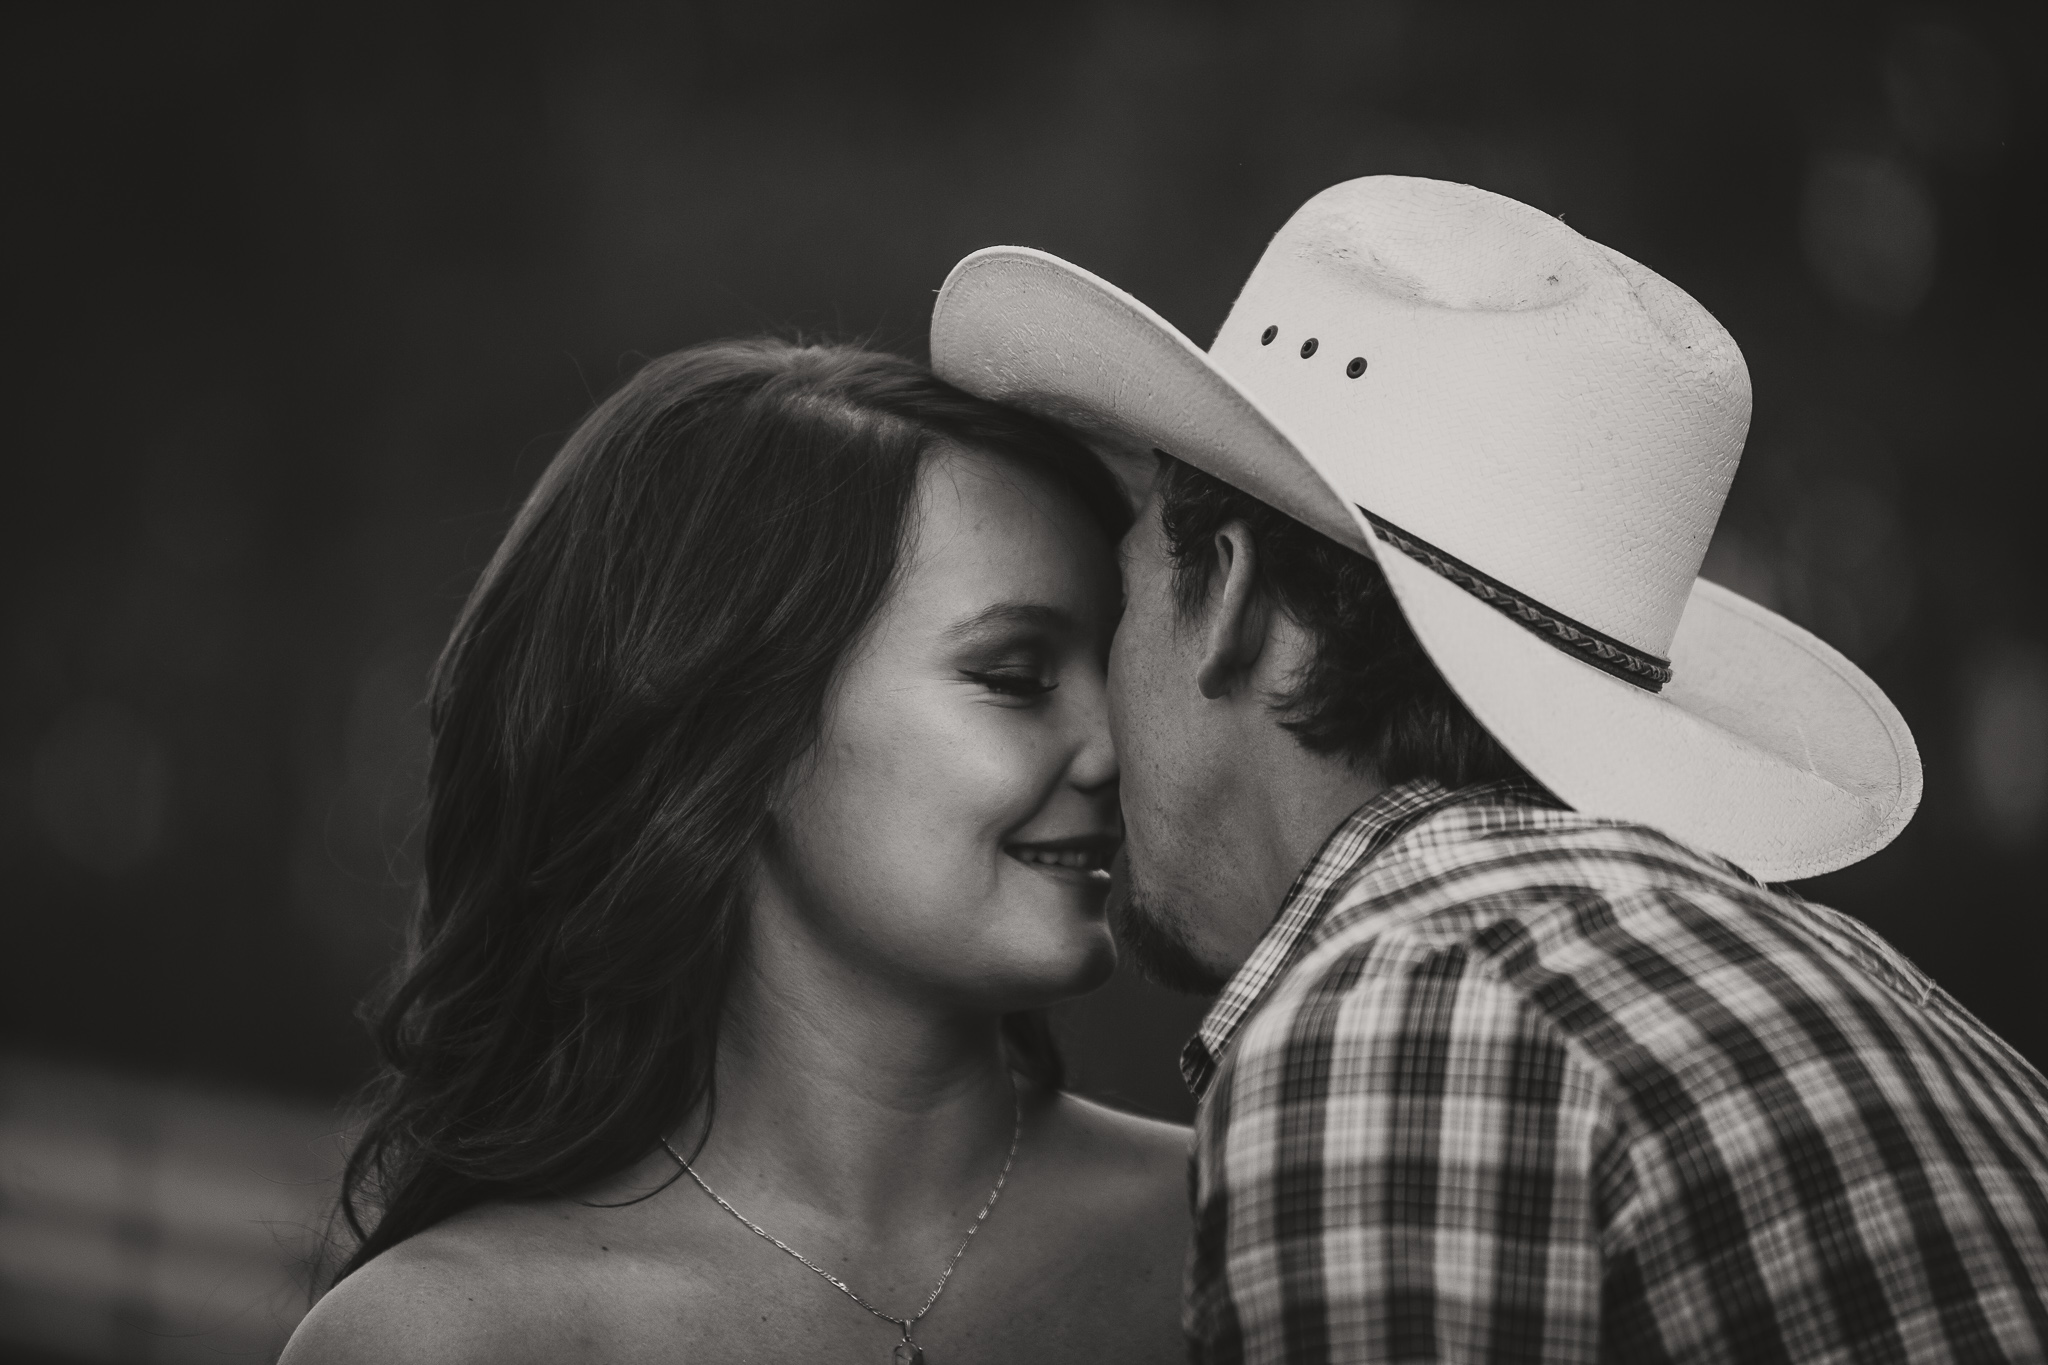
(1597, 648)
(1604, 652)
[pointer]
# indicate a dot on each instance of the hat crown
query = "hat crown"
(1413, 241)
(1532, 403)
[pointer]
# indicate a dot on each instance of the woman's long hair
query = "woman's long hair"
(642, 661)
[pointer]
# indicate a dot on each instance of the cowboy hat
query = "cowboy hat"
(1533, 435)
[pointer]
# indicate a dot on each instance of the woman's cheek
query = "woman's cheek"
(948, 779)
(1003, 772)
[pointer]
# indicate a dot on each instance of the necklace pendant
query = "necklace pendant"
(908, 1352)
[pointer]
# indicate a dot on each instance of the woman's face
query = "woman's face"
(951, 831)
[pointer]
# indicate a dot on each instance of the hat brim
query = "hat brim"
(1768, 747)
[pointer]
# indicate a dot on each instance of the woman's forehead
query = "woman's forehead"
(989, 531)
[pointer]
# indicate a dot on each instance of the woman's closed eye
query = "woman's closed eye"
(1020, 683)
(1014, 650)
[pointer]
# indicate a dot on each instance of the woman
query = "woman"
(772, 796)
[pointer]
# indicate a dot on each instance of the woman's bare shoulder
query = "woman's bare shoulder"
(1120, 1130)
(413, 1303)
(475, 1289)
(1121, 1151)
(1111, 1216)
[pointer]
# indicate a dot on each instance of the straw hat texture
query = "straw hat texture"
(1533, 435)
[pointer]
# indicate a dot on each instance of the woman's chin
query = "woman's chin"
(1093, 970)
(1050, 975)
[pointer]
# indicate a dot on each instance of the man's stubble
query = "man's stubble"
(1157, 938)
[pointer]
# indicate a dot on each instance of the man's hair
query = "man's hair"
(1370, 692)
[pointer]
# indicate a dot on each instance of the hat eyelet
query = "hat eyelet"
(1266, 337)
(1308, 348)
(1355, 368)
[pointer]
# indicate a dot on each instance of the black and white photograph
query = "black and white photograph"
(1332, 682)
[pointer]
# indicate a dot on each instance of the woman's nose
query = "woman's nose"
(1094, 764)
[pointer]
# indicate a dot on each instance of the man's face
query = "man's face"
(1174, 774)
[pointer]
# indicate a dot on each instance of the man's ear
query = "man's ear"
(1239, 617)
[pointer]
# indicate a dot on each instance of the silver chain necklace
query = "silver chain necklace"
(907, 1351)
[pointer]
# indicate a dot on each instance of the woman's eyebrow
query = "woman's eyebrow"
(1011, 615)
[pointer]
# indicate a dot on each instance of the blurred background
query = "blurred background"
(305, 296)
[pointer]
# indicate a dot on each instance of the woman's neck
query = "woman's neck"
(851, 1098)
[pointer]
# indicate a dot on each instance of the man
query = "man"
(1441, 765)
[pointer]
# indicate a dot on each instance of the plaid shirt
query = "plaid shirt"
(1505, 1082)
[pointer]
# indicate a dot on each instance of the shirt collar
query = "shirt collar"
(1353, 844)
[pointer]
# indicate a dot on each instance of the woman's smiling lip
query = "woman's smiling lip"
(1083, 858)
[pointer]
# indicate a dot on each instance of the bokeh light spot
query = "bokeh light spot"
(1868, 225)
(2005, 727)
